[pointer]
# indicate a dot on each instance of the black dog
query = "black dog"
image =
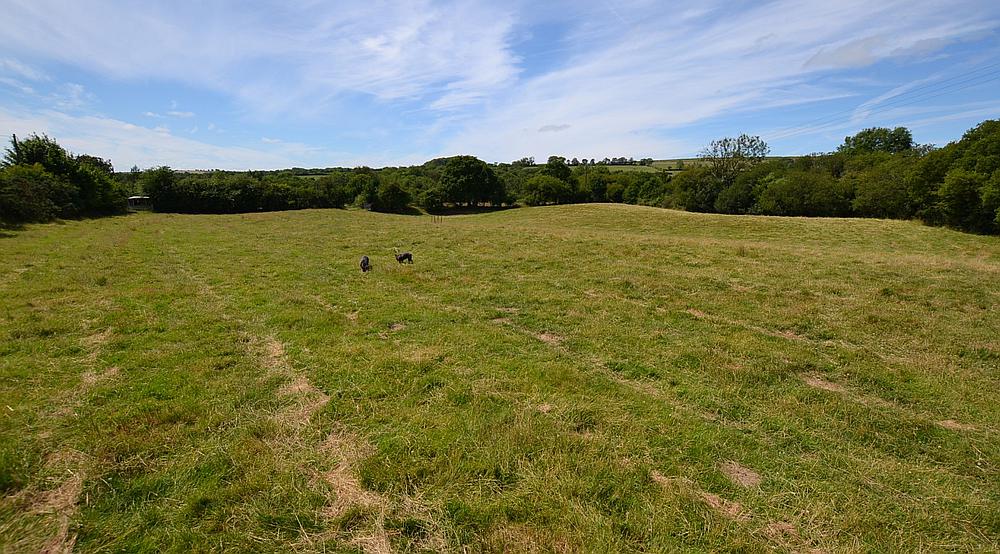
(404, 257)
(365, 264)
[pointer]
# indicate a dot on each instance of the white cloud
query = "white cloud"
(11, 66)
(625, 89)
(623, 76)
(280, 57)
(127, 144)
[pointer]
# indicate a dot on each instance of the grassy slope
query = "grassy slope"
(555, 378)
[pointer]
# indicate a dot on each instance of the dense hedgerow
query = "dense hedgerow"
(878, 172)
(40, 181)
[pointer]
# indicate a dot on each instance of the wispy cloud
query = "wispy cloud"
(10, 66)
(398, 79)
(128, 144)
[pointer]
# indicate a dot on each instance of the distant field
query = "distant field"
(578, 378)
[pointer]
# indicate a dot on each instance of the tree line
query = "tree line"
(41, 181)
(878, 172)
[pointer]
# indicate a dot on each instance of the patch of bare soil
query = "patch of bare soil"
(377, 542)
(820, 383)
(953, 425)
(91, 378)
(323, 303)
(397, 327)
(545, 408)
(516, 537)
(726, 508)
(348, 492)
(97, 340)
(789, 334)
(309, 400)
(697, 313)
(740, 474)
(353, 316)
(274, 354)
(61, 501)
(550, 338)
(781, 532)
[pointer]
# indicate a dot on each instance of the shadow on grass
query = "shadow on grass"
(466, 210)
(7, 228)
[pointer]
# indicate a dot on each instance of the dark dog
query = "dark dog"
(365, 264)
(404, 257)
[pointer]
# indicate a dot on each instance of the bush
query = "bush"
(64, 186)
(545, 189)
(884, 188)
(804, 193)
(391, 198)
(31, 194)
(696, 189)
(960, 201)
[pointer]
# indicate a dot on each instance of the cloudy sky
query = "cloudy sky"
(313, 83)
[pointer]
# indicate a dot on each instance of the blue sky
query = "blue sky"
(259, 85)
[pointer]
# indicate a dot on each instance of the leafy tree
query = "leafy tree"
(990, 195)
(98, 164)
(556, 167)
(28, 193)
(546, 189)
(883, 188)
(740, 197)
(431, 199)
(391, 197)
(878, 139)
(469, 180)
(960, 201)
(40, 150)
(696, 189)
(728, 157)
(804, 193)
(160, 184)
(94, 191)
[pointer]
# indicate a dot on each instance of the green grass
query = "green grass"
(561, 378)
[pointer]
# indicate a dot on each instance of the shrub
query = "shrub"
(31, 194)
(804, 193)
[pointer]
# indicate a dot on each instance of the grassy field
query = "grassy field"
(580, 378)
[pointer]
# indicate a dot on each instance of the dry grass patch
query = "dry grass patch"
(820, 383)
(953, 425)
(550, 338)
(739, 474)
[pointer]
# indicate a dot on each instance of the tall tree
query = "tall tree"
(728, 157)
(878, 139)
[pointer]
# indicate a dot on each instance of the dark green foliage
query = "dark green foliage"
(546, 189)
(29, 193)
(804, 193)
(878, 139)
(728, 157)
(741, 196)
(224, 192)
(42, 181)
(469, 180)
(960, 201)
(391, 198)
(556, 167)
(882, 185)
(696, 189)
